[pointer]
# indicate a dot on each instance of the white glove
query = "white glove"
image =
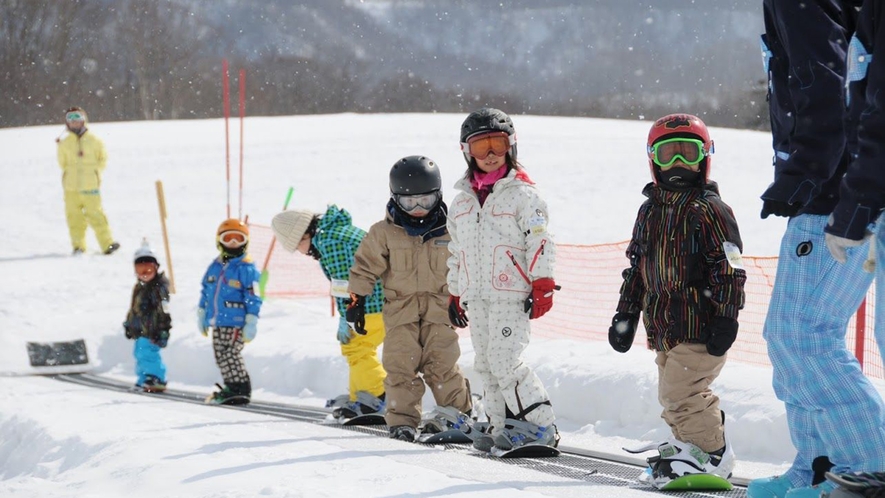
(250, 329)
(201, 322)
(838, 245)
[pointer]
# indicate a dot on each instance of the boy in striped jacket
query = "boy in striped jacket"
(686, 278)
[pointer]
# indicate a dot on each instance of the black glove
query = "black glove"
(162, 340)
(622, 331)
(722, 333)
(356, 314)
(779, 208)
(129, 334)
(457, 315)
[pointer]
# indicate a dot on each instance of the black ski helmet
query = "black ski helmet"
(485, 120)
(414, 175)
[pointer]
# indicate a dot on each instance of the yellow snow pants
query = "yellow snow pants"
(366, 372)
(83, 209)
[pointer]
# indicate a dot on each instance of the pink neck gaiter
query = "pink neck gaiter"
(481, 180)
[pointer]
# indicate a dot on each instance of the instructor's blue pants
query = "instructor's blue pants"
(148, 361)
(832, 408)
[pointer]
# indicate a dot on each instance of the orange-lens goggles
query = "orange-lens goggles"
(232, 239)
(480, 146)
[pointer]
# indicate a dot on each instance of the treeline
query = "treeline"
(132, 60)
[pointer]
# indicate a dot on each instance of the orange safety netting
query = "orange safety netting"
(590, 276)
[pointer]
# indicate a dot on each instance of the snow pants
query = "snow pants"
(83, 209)
(832, 408)
(366, 372)
(148, 360)
(430, 349)
(690, 407)
(500, 332)
(879, 256)
(227, 342)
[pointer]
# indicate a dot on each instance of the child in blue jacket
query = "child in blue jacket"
(229, 304)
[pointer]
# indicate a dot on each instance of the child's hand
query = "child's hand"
(457, 315)
(250, 329)
(162, 339)
(723, 331)
(540, 301)
(356, 313)
(344, 334)
(201, 322)
(622, 331)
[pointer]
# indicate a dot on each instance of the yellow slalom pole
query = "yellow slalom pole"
(161, 198)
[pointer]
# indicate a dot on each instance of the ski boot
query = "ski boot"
(232, 394)
(518, 433)
(365, 404)
(153, 384)
(445, 418)
(677, 461)
(403, 433)
(111, 248)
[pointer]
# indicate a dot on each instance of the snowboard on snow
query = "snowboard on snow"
(451, 436)
(526, 451)
(859, 482)
(54, 354)
(367, 419)
(697, 482)
(435, 431)
(230, 400)
(690, 482)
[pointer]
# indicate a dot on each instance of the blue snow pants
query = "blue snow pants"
(148, 361)
(880, 285)
(832, 408)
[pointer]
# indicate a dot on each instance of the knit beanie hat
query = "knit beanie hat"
(144, 254)
(290, 226)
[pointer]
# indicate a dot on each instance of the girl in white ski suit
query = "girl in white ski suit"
(499, 248)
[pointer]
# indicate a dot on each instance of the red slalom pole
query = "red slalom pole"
(242, 115)
(225, 91)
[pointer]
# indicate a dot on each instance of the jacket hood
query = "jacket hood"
(333, 217)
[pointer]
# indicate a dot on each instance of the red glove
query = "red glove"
(540, 300)
(457, 315)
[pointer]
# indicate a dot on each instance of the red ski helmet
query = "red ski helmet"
(680, 126)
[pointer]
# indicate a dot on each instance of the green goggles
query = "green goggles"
(688, 150)
(74, 116)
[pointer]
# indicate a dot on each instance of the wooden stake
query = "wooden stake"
(161, 198)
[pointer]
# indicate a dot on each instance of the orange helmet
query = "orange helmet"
(232, 234)
(680, 126)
